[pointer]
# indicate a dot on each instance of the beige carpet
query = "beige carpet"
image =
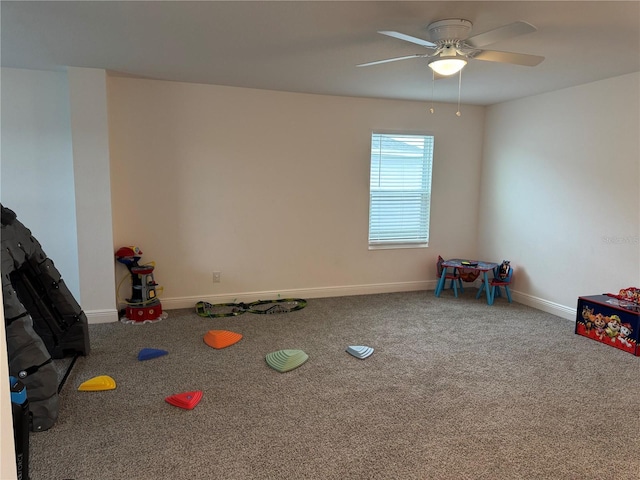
(455, 389)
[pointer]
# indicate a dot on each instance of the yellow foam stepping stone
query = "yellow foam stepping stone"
(98, 384)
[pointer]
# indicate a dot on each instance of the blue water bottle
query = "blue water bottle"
(20, 411)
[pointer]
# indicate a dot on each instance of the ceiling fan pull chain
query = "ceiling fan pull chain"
(433, 83)
(459, 90)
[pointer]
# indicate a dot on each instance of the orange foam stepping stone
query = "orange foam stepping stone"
(97, 384)
(186, 400)
(221, 338)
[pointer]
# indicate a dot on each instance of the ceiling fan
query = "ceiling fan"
(451, 47)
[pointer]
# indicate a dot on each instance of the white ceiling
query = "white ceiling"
(313, 46)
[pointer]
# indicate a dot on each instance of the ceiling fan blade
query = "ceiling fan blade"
(500, 33)
(408, 38)
(509, 57)
(417, 55)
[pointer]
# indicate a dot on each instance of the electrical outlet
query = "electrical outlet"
(216, 277)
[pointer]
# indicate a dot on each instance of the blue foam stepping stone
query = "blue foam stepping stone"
(149, 353)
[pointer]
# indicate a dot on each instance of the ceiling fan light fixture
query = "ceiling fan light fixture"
(447, 66)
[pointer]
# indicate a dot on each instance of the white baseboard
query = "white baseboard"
(102, 316)
(545, 305)
(319, 292)
(562, 311)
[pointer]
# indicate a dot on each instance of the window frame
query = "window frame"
(375, 242)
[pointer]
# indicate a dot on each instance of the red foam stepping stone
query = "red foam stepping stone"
(186, 400)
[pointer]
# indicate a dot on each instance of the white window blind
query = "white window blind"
(400, 189)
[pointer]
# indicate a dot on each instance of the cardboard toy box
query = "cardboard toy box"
(609, 320)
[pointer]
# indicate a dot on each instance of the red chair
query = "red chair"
(456, 281)
(502, 276)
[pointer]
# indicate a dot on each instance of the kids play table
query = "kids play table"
(455, 263)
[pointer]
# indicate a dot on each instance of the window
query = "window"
(400, 190)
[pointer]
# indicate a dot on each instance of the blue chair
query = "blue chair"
(502, 276)
(456, 281)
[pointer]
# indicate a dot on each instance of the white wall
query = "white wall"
(55, 175)
(271, 189)
(36, 167)
(560, 192)
(214, 171)
(90, 140)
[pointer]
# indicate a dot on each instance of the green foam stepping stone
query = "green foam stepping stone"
(285, 360)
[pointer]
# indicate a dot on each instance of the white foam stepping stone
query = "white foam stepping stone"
(360, 351)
